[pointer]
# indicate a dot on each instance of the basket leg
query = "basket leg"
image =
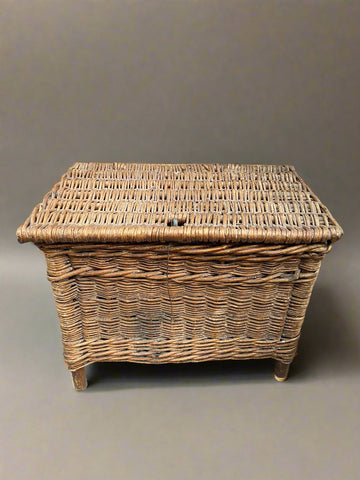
(79, 379)
(281, 370)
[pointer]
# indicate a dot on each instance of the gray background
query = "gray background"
(180, 81)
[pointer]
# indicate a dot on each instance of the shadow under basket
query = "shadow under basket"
(215, 274)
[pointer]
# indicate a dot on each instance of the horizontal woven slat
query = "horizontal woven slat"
(103, 202)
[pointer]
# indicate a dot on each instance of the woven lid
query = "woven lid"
(187, 203)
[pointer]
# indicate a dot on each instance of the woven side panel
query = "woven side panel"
(154, 304)
(300, 298)
(66, 295)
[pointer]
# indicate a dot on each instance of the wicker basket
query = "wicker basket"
(180, 263)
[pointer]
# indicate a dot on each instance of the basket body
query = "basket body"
(181, 303)
(158, 263)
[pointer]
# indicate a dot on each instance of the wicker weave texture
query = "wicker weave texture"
(102, 203)
(181, 303)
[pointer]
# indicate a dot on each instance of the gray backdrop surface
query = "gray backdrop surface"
(180, 81)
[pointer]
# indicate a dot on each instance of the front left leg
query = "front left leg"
(79, 379)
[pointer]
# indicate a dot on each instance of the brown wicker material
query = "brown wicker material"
(180, 263)
(101, 202)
